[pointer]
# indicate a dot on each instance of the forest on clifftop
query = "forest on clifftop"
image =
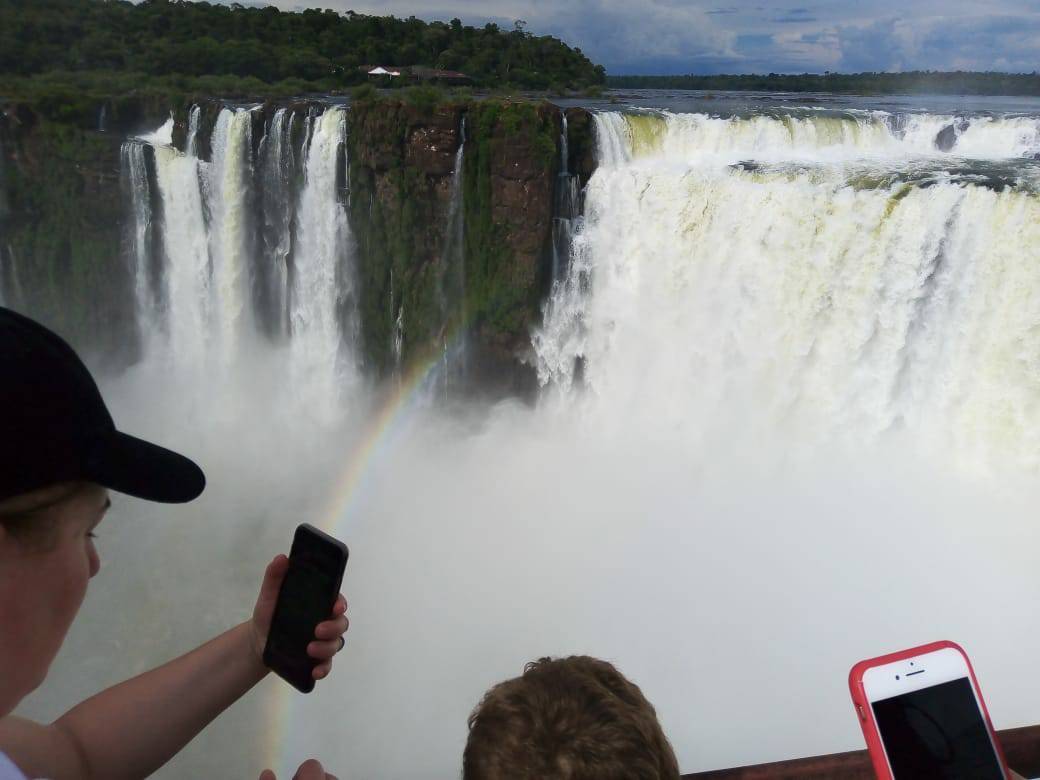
(177, 46)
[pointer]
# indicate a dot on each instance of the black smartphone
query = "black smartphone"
(306, 598)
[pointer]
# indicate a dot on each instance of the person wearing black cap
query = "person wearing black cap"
(60, 454)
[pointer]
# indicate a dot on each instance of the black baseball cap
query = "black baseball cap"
(55, 427)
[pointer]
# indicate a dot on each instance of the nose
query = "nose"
(94, 560)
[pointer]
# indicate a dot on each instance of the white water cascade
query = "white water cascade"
(187, 299)
(277, 164)
(134, 169)
(321, 276)
(837, 303)
(813, 136)
(227, 180)
(247, 252)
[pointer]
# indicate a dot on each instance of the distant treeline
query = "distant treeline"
(171, 39)
(912, 82)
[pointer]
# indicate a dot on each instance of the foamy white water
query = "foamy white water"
(227, 180)
(800, 302)
(188, 304)
(322, 274)
(135, 177)
(822, 137)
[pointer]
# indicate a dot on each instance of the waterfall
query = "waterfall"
(613, 137)
(187, 295)
(192, 143)
(227, 180)
(567, 207)
(453, 278)
(277, 199)
(816, 137)
(818, 299)
(134, 170)
(322, 247)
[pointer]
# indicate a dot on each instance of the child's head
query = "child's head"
(574, 718)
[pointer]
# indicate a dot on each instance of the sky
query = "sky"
(759, 36)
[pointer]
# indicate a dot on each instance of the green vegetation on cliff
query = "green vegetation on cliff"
(510, 168)
(62, 233)
(443, 251)
(174, 43)
(912, 82)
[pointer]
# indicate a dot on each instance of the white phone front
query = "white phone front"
(930, 718)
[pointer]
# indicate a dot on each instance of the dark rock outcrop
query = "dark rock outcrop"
(440, 266)
(946, 138)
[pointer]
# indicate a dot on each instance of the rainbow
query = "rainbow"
(395, 409)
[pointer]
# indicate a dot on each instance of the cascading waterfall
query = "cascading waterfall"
(567, 207)
(453, 278)
(194, 116)
(817, 136)
(803, 298)
(134, 169)
(277, 201)
(245, 251)
(321, 252)
(227, 181)
(187, 299)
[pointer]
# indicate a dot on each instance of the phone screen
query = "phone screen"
(937, 732)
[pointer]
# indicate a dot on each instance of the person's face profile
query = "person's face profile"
(52, 572)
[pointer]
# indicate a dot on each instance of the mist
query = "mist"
(735, 585)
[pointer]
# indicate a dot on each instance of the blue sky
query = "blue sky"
(730, 36)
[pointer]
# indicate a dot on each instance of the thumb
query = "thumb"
(264, 609)
(267, 774)
(273, 576)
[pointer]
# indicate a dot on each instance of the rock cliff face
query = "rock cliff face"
(61, 232)
(451, 211)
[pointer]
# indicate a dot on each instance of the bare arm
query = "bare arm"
(131, 729)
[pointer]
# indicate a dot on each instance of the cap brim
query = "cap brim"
(139, 468)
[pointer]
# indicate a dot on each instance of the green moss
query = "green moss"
(495, 305)
(399, 215)
(364, 93)
(399, 233)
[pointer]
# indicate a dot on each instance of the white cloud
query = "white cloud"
(670, 36)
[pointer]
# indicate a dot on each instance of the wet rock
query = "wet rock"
(946, 138)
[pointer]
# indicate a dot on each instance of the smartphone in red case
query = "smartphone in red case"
(923, 716)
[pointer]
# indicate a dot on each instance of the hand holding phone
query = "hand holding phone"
(923, 716)
(306, 598)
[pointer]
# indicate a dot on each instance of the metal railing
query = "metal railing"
(1021, 747)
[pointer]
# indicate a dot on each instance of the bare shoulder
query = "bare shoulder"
(40, 750)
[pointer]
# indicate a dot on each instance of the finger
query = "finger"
(331, 629)
(323, 650)
(340, 606)
(267, 774)
(331, 777)
(321, 671)
(273, 576)
(311, 769)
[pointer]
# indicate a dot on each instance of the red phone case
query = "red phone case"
(865, 714)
